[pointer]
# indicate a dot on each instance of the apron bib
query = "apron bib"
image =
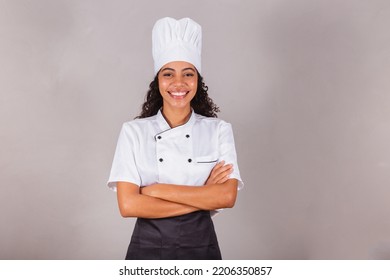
(186, 237)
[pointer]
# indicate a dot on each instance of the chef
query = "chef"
(175, 165)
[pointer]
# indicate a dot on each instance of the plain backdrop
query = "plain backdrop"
(305, 84)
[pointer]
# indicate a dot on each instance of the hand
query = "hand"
(220, 173)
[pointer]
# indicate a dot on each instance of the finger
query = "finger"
(223, 180)
(220, 174)
(218, 165)
(223, 174)
(225, 168)
(222, 168)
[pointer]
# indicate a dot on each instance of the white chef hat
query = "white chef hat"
(176, 40)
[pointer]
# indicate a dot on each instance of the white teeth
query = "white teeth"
(178, 93)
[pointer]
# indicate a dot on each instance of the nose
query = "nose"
(178, 81)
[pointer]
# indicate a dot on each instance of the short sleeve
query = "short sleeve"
(227, 151)
(124, 167)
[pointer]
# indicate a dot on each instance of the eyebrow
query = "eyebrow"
(171, 69)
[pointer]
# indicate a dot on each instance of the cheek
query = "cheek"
(194, 85)
(162, 86)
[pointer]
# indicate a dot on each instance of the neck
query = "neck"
(177, 117)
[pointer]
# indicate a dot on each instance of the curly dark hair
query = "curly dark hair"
(201, 103)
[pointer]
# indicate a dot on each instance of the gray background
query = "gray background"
(304, 83)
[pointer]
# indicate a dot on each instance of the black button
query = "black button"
(161, 160)
(159, 137)
(188, 136)
(189, 160)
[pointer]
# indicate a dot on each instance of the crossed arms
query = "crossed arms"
(167, 200)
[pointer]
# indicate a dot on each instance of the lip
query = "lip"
(178, 94)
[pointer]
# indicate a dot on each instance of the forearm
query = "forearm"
(133, 204)
(144, 206)
(209, 197)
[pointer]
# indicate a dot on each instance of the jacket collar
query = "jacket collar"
(165, 128)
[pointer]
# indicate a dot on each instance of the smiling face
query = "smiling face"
(177, 83)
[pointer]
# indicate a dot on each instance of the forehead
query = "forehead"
(178, 66)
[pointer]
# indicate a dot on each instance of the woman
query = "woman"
(173, 165)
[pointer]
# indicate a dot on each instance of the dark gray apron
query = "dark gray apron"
(187, 237)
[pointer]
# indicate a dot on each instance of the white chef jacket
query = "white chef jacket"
(149, 151)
